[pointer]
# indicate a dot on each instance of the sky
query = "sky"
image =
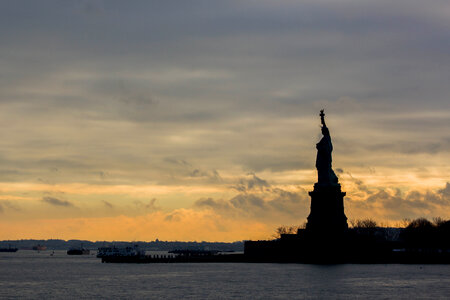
(197, 120)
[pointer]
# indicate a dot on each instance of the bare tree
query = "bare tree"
(405, 222)
(364, 223)
(438, 221)
(420, 223)
(287, 230)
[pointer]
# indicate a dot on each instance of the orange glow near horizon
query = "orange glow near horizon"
(187, 225)
(95, 212)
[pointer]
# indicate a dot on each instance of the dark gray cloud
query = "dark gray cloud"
(149, 205)
(299, 48)
(445, 192)
(212, 175)
(259, 200)
(252, 183)
(181, 168)
(57, 202)
(119, 87)
(272, 205)
(107, 204)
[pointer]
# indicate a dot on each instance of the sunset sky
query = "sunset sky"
(197, 120)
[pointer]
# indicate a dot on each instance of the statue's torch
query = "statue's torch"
(322, 117)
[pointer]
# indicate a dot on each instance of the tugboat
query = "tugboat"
(78, 251)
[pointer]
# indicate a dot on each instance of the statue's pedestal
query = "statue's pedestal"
(327, 217)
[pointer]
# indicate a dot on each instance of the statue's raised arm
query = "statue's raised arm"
(322, 118)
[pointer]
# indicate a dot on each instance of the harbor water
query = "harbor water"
(50, 274)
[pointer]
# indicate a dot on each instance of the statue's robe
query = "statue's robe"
(323, 162)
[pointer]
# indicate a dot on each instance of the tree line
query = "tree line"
(420, 230)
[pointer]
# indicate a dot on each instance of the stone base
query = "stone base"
(327, 215)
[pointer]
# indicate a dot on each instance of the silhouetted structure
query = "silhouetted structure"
(327, 238)
(327, 215)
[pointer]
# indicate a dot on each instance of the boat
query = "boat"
(78, 251)
(120, 252)
(9, 249)
(39, 248)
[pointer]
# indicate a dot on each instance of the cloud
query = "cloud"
(414, 147)
(445, 192)
(212, 175)
(57, 202)
(251, 183)
(361, 187)
(107, 204)
(150, 205)
(176, 161)
(6, 204)
(274, 204)
(258, 200)
(181, 168)
(394, 204)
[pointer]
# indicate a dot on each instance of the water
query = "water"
(32, 275)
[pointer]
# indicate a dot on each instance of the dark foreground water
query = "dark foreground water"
(32, 275)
